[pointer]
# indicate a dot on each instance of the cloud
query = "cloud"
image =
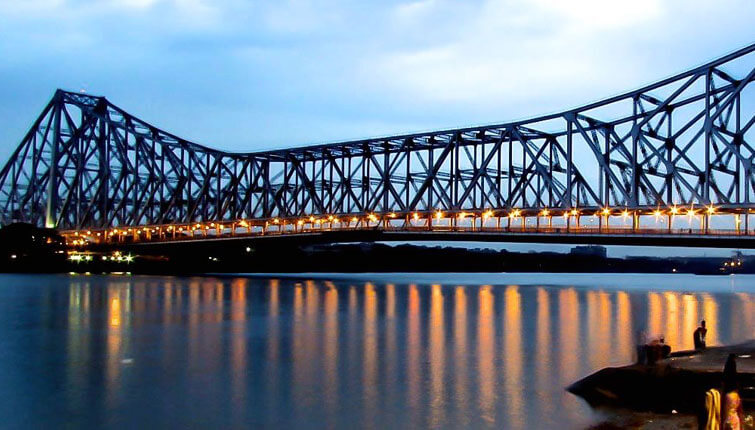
(593, 15)
(222, 72)
(505, 50)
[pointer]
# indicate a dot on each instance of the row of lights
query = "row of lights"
(515, 213)
(374, 217)
(117, 256)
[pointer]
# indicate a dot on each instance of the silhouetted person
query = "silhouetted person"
(732, 415)
(699, 336)
(665, 349)
(655, 350)
(642, 346)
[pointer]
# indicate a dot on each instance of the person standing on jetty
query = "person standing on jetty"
(699, 336)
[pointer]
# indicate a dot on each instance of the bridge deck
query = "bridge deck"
(666, 238)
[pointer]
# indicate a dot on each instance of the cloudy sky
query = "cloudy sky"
(245, 75)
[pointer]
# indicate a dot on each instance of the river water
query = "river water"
(337, 351)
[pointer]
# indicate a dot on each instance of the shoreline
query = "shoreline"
(681, 282)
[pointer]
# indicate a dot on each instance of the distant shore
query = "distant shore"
(366, 258)
(25, 248)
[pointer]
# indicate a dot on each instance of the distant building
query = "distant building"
(589, 250)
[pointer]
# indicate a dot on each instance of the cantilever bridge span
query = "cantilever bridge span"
(673, 157)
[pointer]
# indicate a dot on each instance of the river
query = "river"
(336, 350)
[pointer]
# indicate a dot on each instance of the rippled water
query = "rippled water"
(371, 351)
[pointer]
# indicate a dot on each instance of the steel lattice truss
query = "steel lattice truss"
(85, 163)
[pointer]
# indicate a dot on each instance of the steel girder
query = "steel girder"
(686, 140)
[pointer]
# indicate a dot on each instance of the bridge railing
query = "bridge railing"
(199, 232)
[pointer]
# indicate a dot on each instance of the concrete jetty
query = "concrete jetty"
(677, 383)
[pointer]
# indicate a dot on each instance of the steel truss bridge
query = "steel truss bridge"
(673, 157)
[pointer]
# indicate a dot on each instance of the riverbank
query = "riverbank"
(357, 258)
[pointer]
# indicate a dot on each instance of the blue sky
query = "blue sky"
(244, 75)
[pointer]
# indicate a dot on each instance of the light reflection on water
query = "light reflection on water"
(239, 352)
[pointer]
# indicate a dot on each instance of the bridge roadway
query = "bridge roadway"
(614, 236)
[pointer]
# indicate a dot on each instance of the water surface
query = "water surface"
(337, 351)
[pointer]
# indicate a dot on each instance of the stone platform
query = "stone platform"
(677, 383)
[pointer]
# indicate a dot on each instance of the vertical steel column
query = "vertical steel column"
(707, 128)
(569, 165)
(634, 189)
(103, 158)
(607, 176)
(52, 180)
